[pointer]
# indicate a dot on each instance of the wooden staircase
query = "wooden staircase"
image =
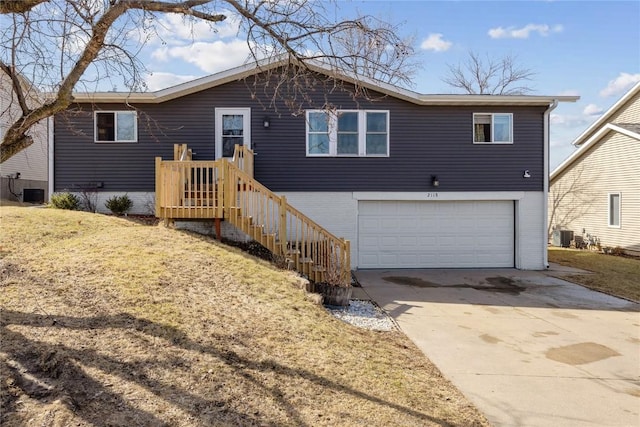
(226, 190)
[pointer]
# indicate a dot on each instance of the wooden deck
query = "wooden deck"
(226, 190)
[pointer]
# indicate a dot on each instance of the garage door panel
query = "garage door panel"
(369, 224)
(427, 241)
(409, 242)
(401, 234)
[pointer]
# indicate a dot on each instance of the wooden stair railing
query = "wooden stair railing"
(243, 159)
(285, 231)
(187, 189)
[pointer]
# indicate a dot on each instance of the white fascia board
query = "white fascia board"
(494, 99)
(252, 68)
(438, 195)
(607, 114)
(181, 89)
(588, 144)
(624, 131)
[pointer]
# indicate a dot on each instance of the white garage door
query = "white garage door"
(451, 234)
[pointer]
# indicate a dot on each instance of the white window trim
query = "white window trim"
(619, 210)
(246, 124)
(333, 133)
(473, 136)
(115, 132)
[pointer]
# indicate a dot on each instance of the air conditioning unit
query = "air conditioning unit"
(562, 238)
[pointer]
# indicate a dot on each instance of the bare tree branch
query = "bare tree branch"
(489, 76)
(18, 6)
(68, 43)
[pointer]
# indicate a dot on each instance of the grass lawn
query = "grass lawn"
(110, 322)
(614, 275)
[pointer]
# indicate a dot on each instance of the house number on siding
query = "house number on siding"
(431, 195)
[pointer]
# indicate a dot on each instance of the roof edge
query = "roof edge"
(588, 144)
(607, 114)
(252, 68)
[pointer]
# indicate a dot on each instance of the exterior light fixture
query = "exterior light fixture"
(526, 174)
(266, 122)
(435, 181)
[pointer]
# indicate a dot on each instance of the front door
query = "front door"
(232, 126)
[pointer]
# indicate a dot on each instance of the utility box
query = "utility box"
(33, 195)
(562, 238)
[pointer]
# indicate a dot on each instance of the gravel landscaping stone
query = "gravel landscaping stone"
(363, 314)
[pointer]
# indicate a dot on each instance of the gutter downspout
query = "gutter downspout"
(51, 156)
(545, 204)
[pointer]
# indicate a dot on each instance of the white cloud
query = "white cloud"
(161, 54)
(435, 43)
(620, 84)
(592, 110)
(173, 28)
(74, 43)
(558, 119)
(209, 57)
(524, 32)
(178, 26)
(570, 120)
(160, 80)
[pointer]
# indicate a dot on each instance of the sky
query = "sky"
(585, 48)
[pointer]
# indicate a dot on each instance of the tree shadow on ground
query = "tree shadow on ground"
(49, 372)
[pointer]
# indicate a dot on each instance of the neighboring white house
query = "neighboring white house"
(596, 191)
(25, 175)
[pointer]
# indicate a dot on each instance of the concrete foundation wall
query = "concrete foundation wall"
(13, 189)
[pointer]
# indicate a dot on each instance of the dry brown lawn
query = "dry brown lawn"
(106, 322)
(615, 275)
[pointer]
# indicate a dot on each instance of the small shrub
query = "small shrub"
(119, 204)
(89, 199)
(65, 200)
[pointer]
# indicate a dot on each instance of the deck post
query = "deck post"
(218, 226)
(159, 187)
(282, 228)
(221, 192)
(347, 261)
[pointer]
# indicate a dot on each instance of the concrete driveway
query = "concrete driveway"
(526, 348)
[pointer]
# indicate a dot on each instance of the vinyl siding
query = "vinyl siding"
(32, 161)
(610, 166)
(629, 112)
(424, 141)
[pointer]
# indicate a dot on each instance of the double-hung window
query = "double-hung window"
(116, 126)
(614, 210)
(493, 128)
(348, 133)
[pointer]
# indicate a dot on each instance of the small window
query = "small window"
(614, 210)
(347, 142)
(377, 134)
(318, 133)
(116, 126)
(492, 128)
(348, 133)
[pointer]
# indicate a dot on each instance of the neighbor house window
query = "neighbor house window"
(347, 133)
(492, 128)
(116, 126)
(614, 210)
